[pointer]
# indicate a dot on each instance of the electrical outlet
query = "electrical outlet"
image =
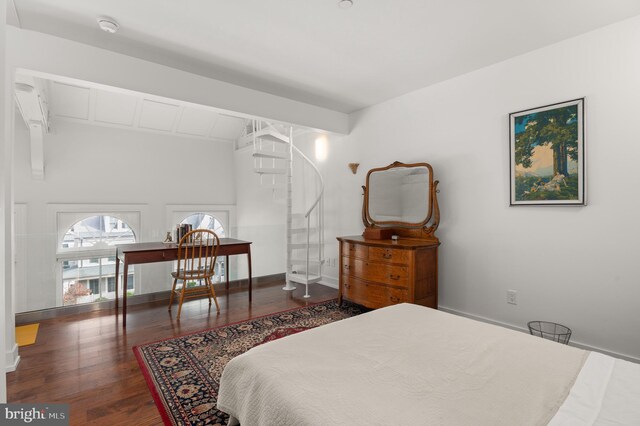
(512, 297)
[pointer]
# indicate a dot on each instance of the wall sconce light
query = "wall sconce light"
(321, 148)
(354, 167)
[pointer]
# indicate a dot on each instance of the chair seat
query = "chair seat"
(192, 291)
(189, 275)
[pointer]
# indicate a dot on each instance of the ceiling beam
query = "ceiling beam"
(34, 111)
(12, 14)
(45, 56)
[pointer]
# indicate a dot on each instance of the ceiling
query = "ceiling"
(110, 107)
(315, 52)
(137, 112)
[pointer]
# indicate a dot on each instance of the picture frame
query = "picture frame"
(547, 153)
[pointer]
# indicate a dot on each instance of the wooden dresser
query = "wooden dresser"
(377, 273)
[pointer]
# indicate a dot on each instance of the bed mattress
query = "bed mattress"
(411, 365)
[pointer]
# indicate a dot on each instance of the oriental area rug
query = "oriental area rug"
(183, 373)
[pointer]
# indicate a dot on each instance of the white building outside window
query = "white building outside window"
(87, 254)
(207, 221)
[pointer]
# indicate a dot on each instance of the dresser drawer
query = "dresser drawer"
(355, 250)
(382, 272)
(396, 275)
(391, 255)
(372, 295)
(353, 266)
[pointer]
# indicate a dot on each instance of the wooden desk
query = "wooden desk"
(133, 254)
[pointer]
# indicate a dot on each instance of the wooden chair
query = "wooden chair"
(197, 252)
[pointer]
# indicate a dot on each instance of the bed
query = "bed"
(411, 365)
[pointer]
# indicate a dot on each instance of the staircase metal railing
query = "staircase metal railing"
(316, 207)
(319, 204)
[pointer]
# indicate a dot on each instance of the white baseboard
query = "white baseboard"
(12, 359)
(329, 282)
(526, 330)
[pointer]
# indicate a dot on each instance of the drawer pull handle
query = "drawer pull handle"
(394, 299)
(394, 277)
(346, 285)
(387, 256)
(346, 266)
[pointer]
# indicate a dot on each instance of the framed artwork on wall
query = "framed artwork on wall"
(547, 154)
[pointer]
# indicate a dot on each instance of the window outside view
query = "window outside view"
(88, 259)
(206, 221)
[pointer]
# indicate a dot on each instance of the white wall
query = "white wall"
(4, 255)
(133, 171)
(260, 219)
(573, 265)
(48, 55)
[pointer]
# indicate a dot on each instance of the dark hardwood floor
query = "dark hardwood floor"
(86, 359)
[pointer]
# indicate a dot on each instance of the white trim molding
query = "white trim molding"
(12, 359)
(329, 282)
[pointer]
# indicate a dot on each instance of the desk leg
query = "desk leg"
(249, 263)
(124, 293)
(117, 273)
(226, 273)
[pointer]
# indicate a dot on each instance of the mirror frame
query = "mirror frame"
(407, 229)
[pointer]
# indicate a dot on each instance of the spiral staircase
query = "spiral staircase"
(296, 181)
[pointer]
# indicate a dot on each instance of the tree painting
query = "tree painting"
(545, 146)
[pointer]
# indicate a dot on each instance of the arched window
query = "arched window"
(88, 259)
(205, 221)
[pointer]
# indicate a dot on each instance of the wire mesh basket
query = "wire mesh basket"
(550, 330)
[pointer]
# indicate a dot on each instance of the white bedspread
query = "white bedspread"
(402, 365)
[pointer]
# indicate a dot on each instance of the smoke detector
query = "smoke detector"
(108, 25)
(345, 4)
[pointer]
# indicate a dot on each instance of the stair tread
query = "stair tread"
(269, 154)
(300, 261)
(301, 230)
(269, 134)
(272, 135)
(270, 171)
(303, 245)
(301, 278)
